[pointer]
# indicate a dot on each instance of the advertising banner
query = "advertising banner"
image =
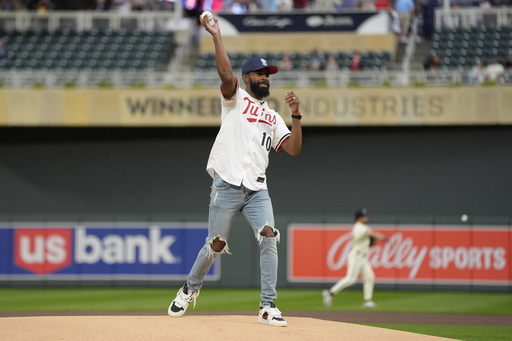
(93, 251)
(201, 107)
(415, 254)
(360, 22)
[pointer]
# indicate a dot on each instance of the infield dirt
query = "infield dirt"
(191, 327)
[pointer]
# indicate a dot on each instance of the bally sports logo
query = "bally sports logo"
(165, 251)
(420, 254)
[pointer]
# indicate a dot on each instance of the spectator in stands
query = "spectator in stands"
(122, 6)
(481, 18)
(4, 53)
(126, 6)
(366, 4)
(331, 70)
(41, 6)
(485, 4)
(326, 5)
(349, 4)
(316, 61)
(239, 6)
(494, 70)
(67, 5)
(428, 9)
(284, 5)
(432, 63)
(269, 5)
(286, 63)
(215, 6)
(103, 5)
(453, 20)
(338, 4)
(142, 5)
(10, 5)
(477, 73)
(300, 3)
(357, 63)
(405, 10)
(332, 64)
(395, 21)
(382, 5)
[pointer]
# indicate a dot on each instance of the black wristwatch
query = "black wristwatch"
(298, 117)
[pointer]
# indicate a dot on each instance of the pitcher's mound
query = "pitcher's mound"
(190, 327)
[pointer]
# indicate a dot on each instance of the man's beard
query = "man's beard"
(258, 91)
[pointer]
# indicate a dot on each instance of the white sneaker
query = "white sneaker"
(326, 295)
(369, 304)
(271, 316)
(180, 304)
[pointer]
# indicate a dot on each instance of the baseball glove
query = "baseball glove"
(373, 241)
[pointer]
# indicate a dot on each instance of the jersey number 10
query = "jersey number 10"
(266, 141)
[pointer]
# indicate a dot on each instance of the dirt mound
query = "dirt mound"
(190, 327)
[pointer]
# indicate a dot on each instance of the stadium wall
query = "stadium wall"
(122, 157)
(304, 42)
(425, 175)
(149, 172)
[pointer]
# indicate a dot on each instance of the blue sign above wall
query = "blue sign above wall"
(309, 22)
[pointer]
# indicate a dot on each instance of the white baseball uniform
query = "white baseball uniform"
(249, 130)
(358, 263)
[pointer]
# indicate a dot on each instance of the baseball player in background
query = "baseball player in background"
(362, 236)
(237, 163)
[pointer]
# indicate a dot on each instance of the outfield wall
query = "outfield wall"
(461, 256)
(405, 176)
(71, 158)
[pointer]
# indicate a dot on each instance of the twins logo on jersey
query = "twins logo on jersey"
(253, 109)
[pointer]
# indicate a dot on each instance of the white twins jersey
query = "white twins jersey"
(248, 131)
(360, 237)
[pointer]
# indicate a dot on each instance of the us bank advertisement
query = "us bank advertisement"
(96, 251)
(422, 254)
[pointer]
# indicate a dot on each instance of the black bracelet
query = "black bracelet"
(298, 117)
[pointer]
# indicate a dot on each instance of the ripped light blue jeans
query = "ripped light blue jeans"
(226, 201)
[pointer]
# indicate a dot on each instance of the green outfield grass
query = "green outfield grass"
(466, 333)
(61, 300)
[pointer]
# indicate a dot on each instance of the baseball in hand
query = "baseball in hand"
(209, 17)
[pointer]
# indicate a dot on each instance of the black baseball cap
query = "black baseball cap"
(254, 64)
(361, 213)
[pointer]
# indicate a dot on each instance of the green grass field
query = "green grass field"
(112, 300)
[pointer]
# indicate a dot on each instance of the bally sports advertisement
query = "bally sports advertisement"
(419, 254)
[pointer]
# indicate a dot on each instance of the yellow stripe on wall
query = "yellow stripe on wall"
(201, 107)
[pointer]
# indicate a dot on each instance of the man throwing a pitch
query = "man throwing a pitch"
(237, 164)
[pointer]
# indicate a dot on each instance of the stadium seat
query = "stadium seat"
(60, 48)
(480, 42)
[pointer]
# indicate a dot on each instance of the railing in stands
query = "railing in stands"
(83, 20)
(303, 79)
